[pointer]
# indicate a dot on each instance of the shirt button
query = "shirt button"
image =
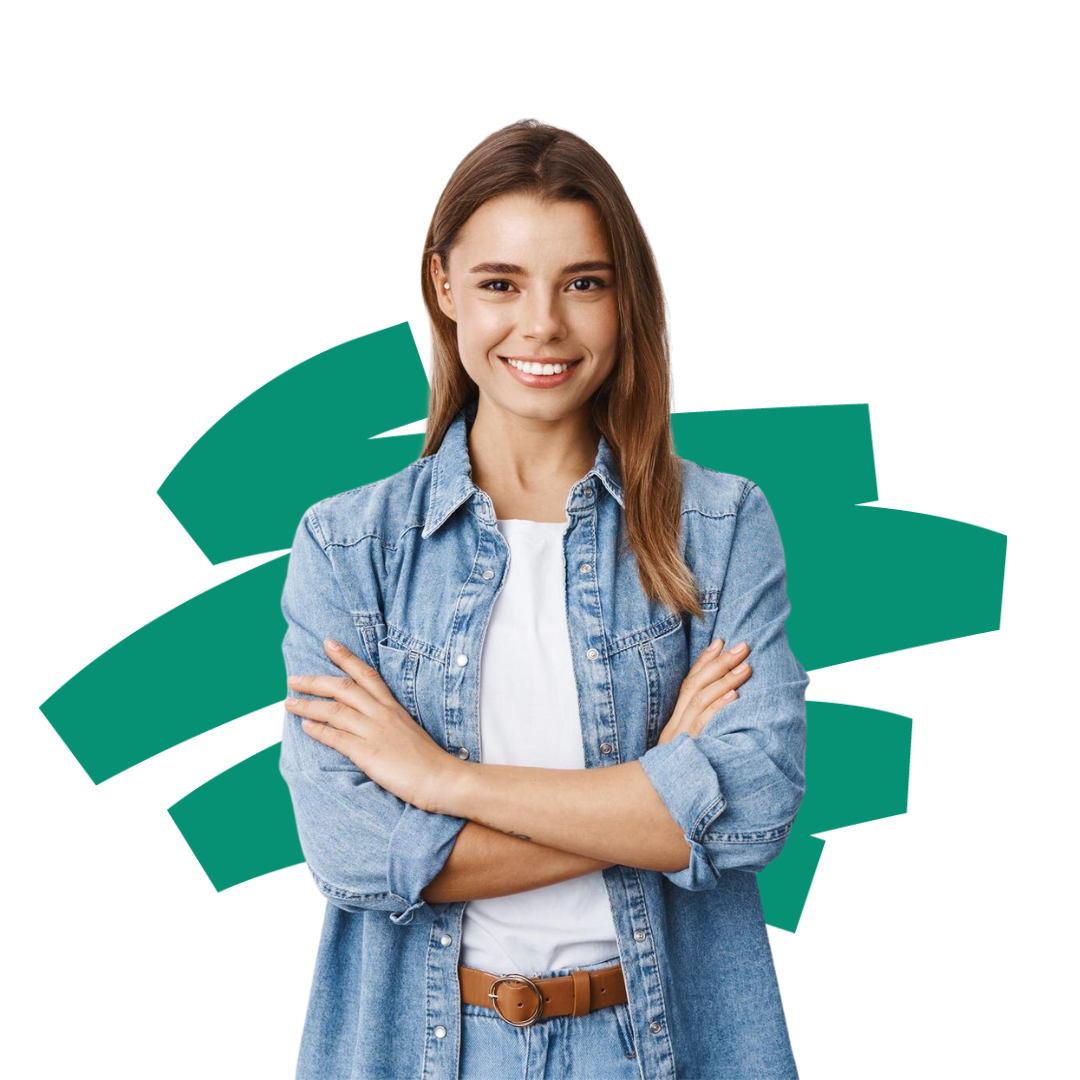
(605, 748)
(588, 493)
(445, 939)
(639, 935)
(586, 567)
(488, 575)
(592, 654)
(462, 659)
(654, 1027)
(440, 1032)
(463, 752)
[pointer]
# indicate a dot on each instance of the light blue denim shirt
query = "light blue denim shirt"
(405, 572)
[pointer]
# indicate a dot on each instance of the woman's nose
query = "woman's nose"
(541, 317)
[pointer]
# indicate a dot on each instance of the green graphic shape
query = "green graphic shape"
(862, 581)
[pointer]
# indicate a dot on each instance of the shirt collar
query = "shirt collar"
(451, 477)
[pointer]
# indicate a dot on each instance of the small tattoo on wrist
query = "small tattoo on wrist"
(509, 832)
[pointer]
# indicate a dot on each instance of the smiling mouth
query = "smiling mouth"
(540, 368)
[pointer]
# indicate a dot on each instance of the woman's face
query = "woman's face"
(532, 280)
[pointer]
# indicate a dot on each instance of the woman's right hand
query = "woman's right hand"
(709, 686)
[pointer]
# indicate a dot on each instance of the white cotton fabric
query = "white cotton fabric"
(529, 716)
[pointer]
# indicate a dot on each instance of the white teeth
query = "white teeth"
(539, 369)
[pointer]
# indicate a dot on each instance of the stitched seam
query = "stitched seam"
(407, 642)
(646, 633)
(763, 836)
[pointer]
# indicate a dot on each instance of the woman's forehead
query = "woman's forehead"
(530, 235)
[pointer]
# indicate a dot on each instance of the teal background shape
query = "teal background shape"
(862, 580)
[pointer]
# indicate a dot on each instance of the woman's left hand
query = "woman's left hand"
(359, 717)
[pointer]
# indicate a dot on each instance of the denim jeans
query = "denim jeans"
(597, 1046)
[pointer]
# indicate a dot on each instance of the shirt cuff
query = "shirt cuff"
(687, 783)
(420, 844)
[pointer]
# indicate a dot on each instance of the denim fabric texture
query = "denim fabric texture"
(405, 572)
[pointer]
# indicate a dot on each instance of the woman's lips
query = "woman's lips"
(540, 381)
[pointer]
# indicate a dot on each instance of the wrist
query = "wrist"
(452, 792)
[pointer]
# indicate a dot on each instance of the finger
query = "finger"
(717, 661)
(710, 652)
(332, 712)
(335, 738)
(702, 722)
(704, 701)
(711, 666)
(364, 675)
(692, 681)
(730, 658)
(325, 686)
(720, 665)
(714, 691)
(703, 685)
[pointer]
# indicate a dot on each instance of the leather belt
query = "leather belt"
(521, 1001)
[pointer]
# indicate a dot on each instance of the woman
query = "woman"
(543, 865)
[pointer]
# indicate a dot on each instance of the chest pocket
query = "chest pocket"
(647, 669)
(412, 669)
(370, 627)
(665, 659)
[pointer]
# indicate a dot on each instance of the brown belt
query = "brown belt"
(522, 1001)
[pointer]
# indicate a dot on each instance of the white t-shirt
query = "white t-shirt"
(529, 716)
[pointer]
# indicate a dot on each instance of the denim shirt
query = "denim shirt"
(405, 572)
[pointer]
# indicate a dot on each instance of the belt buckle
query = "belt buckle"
(495, 1000)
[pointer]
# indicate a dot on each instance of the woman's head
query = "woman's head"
(545, 257)
(507, 192)
(532, 279)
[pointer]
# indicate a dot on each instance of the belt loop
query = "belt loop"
(582, 993)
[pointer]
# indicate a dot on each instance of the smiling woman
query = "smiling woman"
(535, 320)
(538, 786)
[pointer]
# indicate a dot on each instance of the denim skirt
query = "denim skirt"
(597, 1046)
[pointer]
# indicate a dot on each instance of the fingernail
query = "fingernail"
(290, 701)
(331, 644)
(292, 680)
(738, 648)
(738, 670)
(715, 645)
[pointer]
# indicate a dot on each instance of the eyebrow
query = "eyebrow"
(513, 268)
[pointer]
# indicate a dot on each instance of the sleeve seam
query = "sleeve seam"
(750, 485)
(707, 816)
(338, 893)
(316, 529)
(763, 836)
(343, 604)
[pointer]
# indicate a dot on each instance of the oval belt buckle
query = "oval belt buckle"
(495, 1000)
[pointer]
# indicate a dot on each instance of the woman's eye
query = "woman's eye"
(598, 282)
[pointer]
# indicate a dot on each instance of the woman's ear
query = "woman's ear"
(443, 289)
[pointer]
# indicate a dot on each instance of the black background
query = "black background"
(787, 297)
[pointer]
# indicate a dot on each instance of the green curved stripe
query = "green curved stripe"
(863, 581)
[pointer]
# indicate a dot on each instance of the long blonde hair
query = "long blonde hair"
(632, 408)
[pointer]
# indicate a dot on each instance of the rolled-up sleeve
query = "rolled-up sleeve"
(736, 788)
(365, 848)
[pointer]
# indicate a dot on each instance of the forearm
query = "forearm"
(485, 863)
(612, 814)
